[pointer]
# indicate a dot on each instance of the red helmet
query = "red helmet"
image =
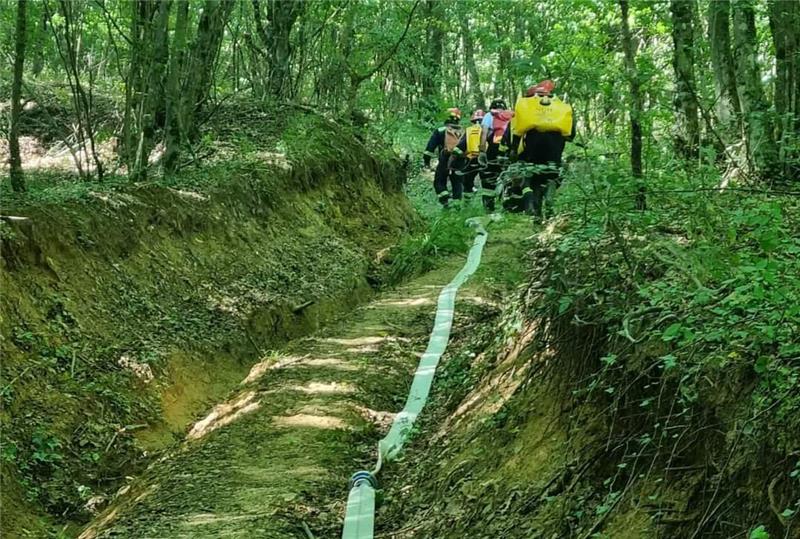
(477, 115)
(545, 87)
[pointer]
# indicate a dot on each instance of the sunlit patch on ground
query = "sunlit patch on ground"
(189, 194)
(328, 362)
(364, 345)
(407, 302)
(203, 519)
(357, 341)
(382, 420)
(259, 369)
(224, 414)
(59, 157)
(276, 159)
(310, 421)
(323, 388)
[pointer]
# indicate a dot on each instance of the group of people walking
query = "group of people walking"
(534, 133)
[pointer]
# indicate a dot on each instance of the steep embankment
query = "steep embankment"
(274, 458)
(126, 310)
(645, 383)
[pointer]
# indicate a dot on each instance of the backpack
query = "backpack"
(551, 116)
(473, 134)
(500, 119)
(452, 135)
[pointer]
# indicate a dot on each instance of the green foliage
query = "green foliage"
(698, 297)
(447, 235)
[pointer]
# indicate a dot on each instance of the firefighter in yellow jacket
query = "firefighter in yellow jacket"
(464, 162)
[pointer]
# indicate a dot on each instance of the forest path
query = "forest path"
(276, 456)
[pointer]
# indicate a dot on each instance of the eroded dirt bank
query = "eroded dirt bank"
(619, 396)
(127, 310)
(274, 458)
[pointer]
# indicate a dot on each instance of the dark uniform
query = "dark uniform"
(544, 149)
(436, 147)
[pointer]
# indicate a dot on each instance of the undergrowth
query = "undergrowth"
(447, 235)
(698, 304)
(657, 362)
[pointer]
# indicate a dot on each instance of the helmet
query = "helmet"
(477, 115)
(454, 114)
(498, 103)
(545, 87)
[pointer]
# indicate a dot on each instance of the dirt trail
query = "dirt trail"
(275, 457)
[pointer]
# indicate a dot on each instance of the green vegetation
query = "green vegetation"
(107, 286)
(192, 185)
(446, 235)
(695, 306)
(649, 368)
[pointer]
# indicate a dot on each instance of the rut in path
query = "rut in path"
(276, 455)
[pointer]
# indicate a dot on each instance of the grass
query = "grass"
(447, 235)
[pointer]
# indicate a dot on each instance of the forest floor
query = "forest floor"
(275, 457)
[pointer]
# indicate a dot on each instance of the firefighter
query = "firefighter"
(493, 126)
(464, 162)
(542, 126)
(443, 141)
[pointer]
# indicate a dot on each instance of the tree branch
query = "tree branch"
(110, 20)
(361, 78)
(262, 32)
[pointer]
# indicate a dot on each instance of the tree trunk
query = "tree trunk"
(275, 39)
(687, 138)
(472, 70)
(152, 104)
(784, 18)
(39, 38)
(172, 125)
(758, 127)
(431, 81)
(17, 177)
(637, 104)
(202, 60)
(282, 17)
(719, 37)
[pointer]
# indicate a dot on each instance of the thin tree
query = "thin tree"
(68, 44)
(688, 135)
(17, 177)
(172, 129)
(431, 79)
(719, 37)
(784, 19)
(201, 61)
(761, 148)
(637, 105)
